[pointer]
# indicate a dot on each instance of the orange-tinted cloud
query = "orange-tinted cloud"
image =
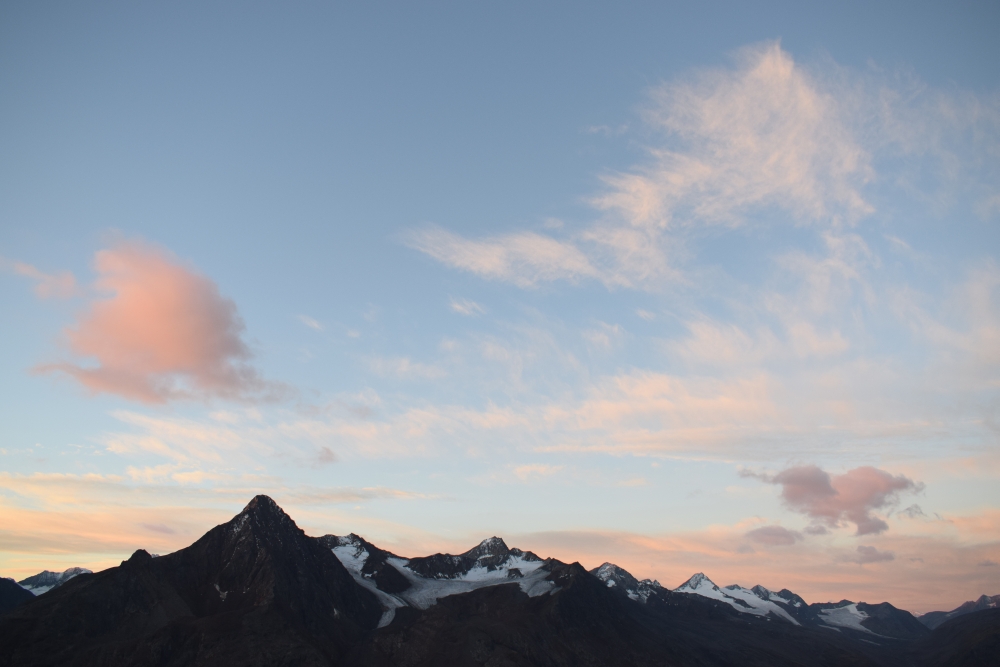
(831, 499)
(163, 332)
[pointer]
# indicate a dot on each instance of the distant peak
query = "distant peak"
(697, 580)
(491, 546)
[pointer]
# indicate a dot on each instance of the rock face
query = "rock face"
(622, 581)
(258, 591)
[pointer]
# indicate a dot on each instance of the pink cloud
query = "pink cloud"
(60, 285)
(832, 499)
(163, 332)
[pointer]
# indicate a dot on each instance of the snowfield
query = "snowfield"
(741, 599)
(424, 592)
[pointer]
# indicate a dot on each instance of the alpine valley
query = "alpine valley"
(258, 591)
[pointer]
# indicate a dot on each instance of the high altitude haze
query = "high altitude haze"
(709, 289)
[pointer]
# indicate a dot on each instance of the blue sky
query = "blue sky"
(687, 288)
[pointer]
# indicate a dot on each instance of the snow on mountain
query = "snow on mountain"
(616, 577)
(757, 600)
(45, 581)
(490, 563)
(846, 616)
(761, 606)
(352, 553)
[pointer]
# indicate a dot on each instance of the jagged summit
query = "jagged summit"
(491, 546)
(620, 579)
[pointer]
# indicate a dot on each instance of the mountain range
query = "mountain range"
(258, 591)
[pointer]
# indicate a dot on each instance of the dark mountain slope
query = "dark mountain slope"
(970, 640)
(935, 618)
(12, 595)
(253, 591)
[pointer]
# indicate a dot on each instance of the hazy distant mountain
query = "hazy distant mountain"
(258, 591)
(45, 581)
(879, 620)
(935, 618)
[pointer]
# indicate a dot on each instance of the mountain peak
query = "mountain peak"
(490, 547)
(45, 580)
(262, 512)
(493, 543)
(262, 503)
(697, 580)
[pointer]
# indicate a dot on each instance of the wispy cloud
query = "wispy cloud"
(310, 322)
(525, 258)
(774, 536)
(466, 307)
(61, 285)
(405, 368)
(764, 134)
(868, 554)
(535, 470)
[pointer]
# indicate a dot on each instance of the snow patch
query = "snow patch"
(848, 616)
(424, 592)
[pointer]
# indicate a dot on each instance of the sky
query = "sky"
(709, 288)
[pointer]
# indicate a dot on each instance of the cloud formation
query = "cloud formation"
(774, 536)
(466, 307)
(524, 258)
(728, 142)
(163, 332)
(61, 285)
(833, 499)
(866, 554)
(764, 134)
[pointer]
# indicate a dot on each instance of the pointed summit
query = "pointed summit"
(262, 516)
(491, 546)
(697, 582)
